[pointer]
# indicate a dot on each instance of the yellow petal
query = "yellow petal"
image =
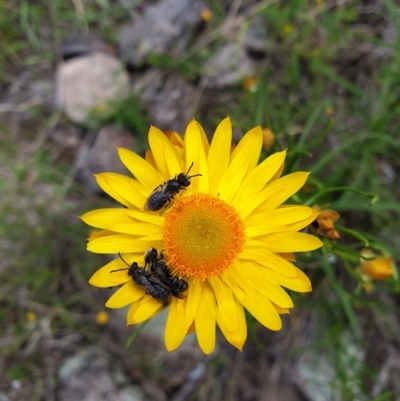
(152, 238)
(225, 302)
(262, 230)
(229, 279)
(192, 300)
(279, 172)
(204, 139)
(248, 286)
(254, 182)
(300, 283)
(269, 290)
(175, 330)
(258, 224)
(280, 310)
(123, 243)
(205, 319)
(150, 158)
(135, 228)
(103, 182)
(291, 242)
(288, 256)
(179, 151)
(264, 312)
(191, 329)
(256, 251)
(252, 140)
(101, 234)
(132, 309)
(299, 225)
(283, 189)
(125, 295)
(128, 188)
(103, 277)
(176, 139)
(102, 218)
(274, 194)
(148, 308)
(155, 219)
(166, 157)
(234, 175)
(194, 153)
(237, 337)
(219, 154)
(143, 171)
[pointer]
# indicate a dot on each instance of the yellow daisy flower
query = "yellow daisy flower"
(226, 234)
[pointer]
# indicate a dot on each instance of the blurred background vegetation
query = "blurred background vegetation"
(322, 75)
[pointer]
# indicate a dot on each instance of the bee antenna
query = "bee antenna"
(187, 173)
(113, 271)
(195, 175)
(119, 254)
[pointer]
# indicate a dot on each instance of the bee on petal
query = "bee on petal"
(162, 196)
(143, 278)
(163, 275)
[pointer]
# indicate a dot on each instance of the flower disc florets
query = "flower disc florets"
(202, 236)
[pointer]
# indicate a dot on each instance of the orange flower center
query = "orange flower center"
(203, 236)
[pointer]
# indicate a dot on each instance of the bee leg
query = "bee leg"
(167, 204)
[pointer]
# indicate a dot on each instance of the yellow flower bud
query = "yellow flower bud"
(250, 84)
(30, 316)
(329, 110)
(287, 29)
(268, 138)
(102, 318)
(206, 14)
(377, 269)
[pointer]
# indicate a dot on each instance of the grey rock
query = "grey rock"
(33, 87)
(316, 371)
(171, 108)
(131, 393)
(162, 26)
(149, 84)
(67, 137)
(169, 102)
(152, 391)
(3, 397)
(228, 67)
(88, 376)
(99, 154)
(80, 44)
(86, 82)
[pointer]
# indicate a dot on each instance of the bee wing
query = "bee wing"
(155, 197)
(155, 280)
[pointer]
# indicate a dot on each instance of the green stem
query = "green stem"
(314, 198)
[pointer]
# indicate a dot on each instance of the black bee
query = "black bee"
(161, 273)
(177, 285)
(143, 278)
(162, 196)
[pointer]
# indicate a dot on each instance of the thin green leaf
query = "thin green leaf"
(331, 74)
(135, 334)
(313, 199)
(355, 234)
(343, 297)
